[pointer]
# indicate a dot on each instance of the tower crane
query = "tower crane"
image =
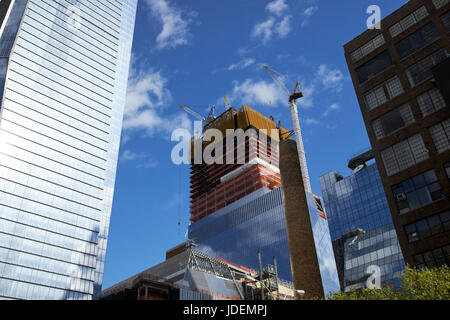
(211, 117)
(296, 94)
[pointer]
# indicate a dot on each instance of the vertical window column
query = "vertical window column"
(441, 135)
(430, 101)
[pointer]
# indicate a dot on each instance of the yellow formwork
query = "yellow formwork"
(223, 122)
(284, 133)
(242, 119)
(247, 116)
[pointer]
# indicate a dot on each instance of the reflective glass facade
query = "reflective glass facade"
(61, 118)
(257, 223)
(359, 201)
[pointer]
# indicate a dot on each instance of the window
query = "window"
(383, 93)
(417, 191)
(447, 169)
(446, 20)
(430, 101)
(417, 40)
(373, 67)
(421, 71)
(434, 258)
(367, 48)
(392, 121)
(411, 233)
(404, 154)
(408, 21)
(440, 3)
(428, 227)
(441, 135)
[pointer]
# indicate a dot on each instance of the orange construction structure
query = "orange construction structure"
(214, 186)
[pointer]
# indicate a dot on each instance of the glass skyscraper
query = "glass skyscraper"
(359, 202)
(255, 223)
(63, 77)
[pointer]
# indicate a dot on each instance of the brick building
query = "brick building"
(400, 80)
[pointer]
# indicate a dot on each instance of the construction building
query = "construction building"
(188, 274)
(361, 226)
(237, 209)
(401, 77)
(214, 186)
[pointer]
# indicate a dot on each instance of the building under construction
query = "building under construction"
(237, 209)
(214, 186)
(188, 274)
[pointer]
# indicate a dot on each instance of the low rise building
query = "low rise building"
(188, 274)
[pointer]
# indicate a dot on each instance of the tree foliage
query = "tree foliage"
(416, 284)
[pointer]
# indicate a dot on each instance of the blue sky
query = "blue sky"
(192, 52)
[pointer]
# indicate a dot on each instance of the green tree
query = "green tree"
(416, 284)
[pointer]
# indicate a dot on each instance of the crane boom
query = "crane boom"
(277, 80)
(227, 102)
(193, 113)
(296, 94)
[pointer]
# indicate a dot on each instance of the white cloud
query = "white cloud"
(147, 119)
(242, 51)
(330, 78)
(175, 29)
(267, 93)
(284, 27)
(333, 107)
(145, 90)
(307, 100)
(257, 92)
(310, 121)
(242, 64)
(309, 12)
(264, 29)
(147, 97)
(146, 93)
(273, 26)
(277, 7)
(128, 155)
(152, 122)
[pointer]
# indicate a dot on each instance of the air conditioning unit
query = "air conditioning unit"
(401, 197)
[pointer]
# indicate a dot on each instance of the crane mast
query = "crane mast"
(296, 94)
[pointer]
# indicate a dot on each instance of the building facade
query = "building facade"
(63, 80)
(361, 227)
(257, 223)
(400, 80)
